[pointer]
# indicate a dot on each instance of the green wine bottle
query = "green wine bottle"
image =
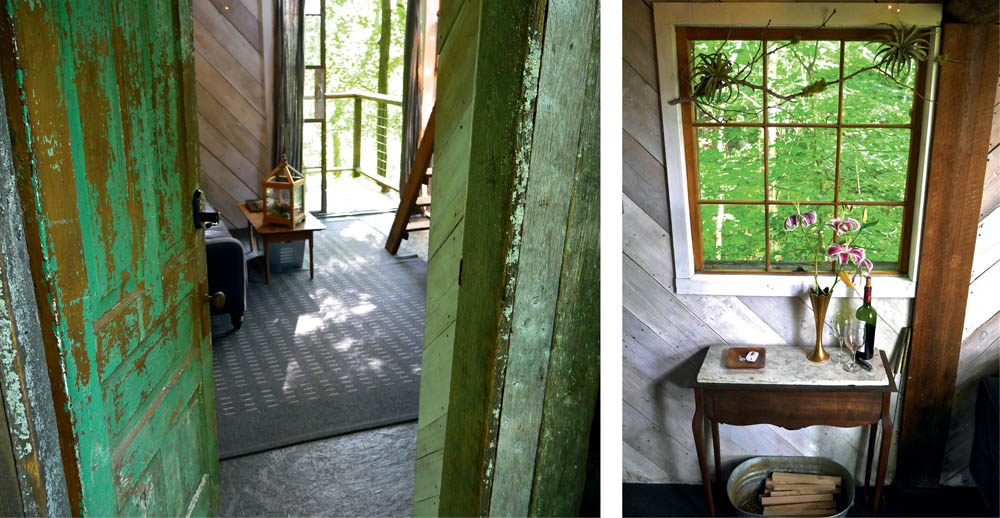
(867, 314)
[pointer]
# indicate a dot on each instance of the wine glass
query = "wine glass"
(855, 339)
(841, 330)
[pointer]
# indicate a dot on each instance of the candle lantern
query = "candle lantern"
(284, 195)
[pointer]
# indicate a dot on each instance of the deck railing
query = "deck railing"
(374, 136)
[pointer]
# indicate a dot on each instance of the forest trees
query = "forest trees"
(808, 158)
(357, 58)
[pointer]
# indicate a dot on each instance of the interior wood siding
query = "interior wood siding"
(232, 69)
(457, 45)
(664, 333)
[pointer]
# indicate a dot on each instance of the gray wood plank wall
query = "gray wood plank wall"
(233, 69)
(663, 331)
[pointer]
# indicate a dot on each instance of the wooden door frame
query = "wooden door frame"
(524, 378)
(29, 415)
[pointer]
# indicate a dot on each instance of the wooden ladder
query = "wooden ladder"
(410, 199)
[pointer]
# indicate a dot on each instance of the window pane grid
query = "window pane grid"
(722, 215)
(767, 158)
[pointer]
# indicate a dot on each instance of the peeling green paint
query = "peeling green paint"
(109, 157)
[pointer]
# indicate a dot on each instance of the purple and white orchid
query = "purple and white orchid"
(807, 219)
(845, 255)
(844, 226)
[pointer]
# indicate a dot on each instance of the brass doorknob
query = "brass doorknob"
(217, 299)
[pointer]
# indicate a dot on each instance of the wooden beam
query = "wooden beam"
(571, 388)
(972, 11)
(540, 251)
(500, 108)
(408, 199)
(524, 370)
(954, 193)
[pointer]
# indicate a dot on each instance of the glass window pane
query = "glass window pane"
(736, 104)
(873, 164)
(312, 6)
(871, 97)
(311, 40)
(732, 237)
(791, 68)
(340, 133)
(314, 190)
(312, 139)
(801, 164)
(730, 163)
(795, 250)
(299, 198)
(308, 93)
(881, 241)
(319, 91)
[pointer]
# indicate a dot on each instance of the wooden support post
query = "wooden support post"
(524, 369)
(356, 162)
(967, 86)
(382, 109)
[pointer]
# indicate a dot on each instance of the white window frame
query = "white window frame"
(667, 16)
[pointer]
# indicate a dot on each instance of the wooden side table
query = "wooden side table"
(792, 392)
(281, 234)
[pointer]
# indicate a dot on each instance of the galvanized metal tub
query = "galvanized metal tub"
(747, 481)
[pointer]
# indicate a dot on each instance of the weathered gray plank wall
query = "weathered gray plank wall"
(663, 331)
(233, 70)
(458, 36)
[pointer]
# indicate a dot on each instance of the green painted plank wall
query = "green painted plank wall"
(458, 36)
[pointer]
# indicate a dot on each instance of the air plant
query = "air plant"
(846, 256)
(714, 78)
(711, 78)
(899, 49)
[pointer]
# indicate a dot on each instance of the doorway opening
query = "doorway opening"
(352, 105)
(325, 372)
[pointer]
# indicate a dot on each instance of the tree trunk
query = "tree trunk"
(383, 87)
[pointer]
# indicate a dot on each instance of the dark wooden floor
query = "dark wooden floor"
(689, 500)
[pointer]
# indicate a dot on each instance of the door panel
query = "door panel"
(106, 153)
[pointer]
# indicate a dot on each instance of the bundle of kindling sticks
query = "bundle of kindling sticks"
(800, 494)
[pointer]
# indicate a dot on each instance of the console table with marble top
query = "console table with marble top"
(792, 392)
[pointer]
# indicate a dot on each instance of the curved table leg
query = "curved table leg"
(715, 448)
(883, 454)
(699, 444)
(267, 262)
(872, 429)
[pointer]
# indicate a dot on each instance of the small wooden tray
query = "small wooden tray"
(733, 358)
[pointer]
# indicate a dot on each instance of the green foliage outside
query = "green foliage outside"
(801, 160)
(353, 28)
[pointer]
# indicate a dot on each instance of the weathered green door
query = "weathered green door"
(100, 98)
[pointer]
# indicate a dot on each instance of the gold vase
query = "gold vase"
(819, 303)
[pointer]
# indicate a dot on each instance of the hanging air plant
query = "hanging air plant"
(714, 81)
(711, 78)
(899, 49)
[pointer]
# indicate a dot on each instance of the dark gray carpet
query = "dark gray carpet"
(318, 358)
